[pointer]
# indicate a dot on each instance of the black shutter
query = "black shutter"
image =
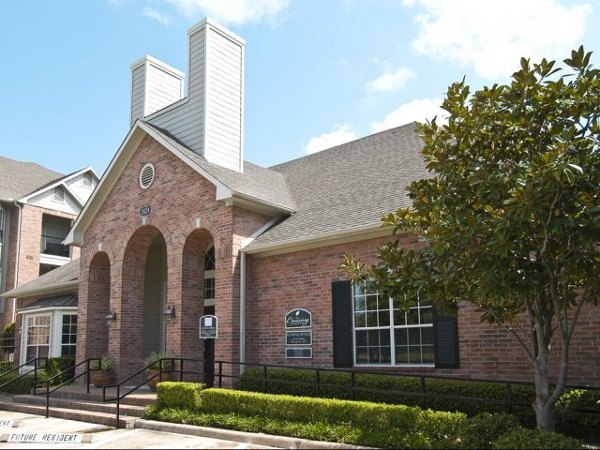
(341, 296)
(446, 341)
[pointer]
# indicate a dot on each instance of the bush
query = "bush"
(178, 395)
(5, 366)
(533, 439)
(569, 421)
(21, 386)
(59, 365)
(343, 421)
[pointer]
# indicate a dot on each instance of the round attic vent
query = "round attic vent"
(146, 176)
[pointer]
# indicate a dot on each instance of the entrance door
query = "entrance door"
(155, 298)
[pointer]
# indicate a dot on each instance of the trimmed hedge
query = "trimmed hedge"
(445, 395)
(356, 422)
(182, 395)
(523, 438)
(21, 386)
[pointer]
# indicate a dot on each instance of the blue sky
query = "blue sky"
(318, 72)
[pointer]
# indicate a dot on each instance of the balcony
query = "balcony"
(52, 245)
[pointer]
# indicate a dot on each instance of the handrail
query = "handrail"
(73, 368)
(36, 366)
(162, 367)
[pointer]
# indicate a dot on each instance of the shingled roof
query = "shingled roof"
(17, 178)
(348, 187)
(59, 280)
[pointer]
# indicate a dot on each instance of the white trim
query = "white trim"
(320, 240)
(62, 181)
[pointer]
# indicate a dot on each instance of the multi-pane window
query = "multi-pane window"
(69, 335)
(38, 337)
(209, 274)
(385, 334)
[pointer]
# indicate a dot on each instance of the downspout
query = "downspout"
(16, 283)
(243, 245)
(242, 311)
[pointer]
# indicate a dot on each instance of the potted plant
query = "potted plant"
(154, 363)
(102, 371)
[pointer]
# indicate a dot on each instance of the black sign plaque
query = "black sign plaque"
(208, 327)
(298, 318)
(291, 352)
(298, 337)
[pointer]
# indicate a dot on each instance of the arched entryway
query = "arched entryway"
(141, 323)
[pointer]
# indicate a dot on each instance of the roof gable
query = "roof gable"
(254, 188)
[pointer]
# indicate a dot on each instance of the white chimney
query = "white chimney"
(210, 119)
(154, 85)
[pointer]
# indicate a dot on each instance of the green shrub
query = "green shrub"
(182, 395)
(482, 430)
(19, 386)
(534, 439)
(584, 425)
(56, 366)
(447, 395)
(5, 366)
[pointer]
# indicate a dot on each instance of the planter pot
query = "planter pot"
(100, 378)
(154, 378)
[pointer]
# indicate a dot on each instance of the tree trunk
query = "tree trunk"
(544, 406)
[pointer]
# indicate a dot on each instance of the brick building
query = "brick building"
(181, 227)
(37, 208)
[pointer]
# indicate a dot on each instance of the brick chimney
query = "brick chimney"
(209, 120)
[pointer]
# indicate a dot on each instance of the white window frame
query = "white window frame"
(25, 331)
(391, 328)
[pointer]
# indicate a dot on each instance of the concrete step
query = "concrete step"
(81, 404)
(100, 418)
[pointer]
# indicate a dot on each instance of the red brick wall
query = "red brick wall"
(182, 205)
(303, 280)
(29, 249)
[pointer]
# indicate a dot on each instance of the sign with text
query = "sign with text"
(291, 352)
(298, 337)
(49, 438)
(208, 327)
(298, 318)
(7, 423)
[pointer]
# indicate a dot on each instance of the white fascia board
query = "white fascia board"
(68, 287)
(254, 204)
(59, 182)
(68, 189)
(320, 240)
(46, 309)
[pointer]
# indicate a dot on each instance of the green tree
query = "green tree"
(510, 214)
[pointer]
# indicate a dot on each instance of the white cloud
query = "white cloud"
(493, 36)
(391, 81)
(233, 11)
(155, 15)
(419, 109)
(341, 135)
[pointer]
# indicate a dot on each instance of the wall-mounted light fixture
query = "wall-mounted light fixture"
(111, 317)
(169, 313)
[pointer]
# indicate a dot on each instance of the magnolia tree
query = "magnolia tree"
(511, 212)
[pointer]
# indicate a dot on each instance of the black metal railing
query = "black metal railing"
(39, 364)
(50, 387)
(52, 245)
